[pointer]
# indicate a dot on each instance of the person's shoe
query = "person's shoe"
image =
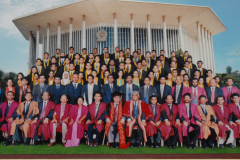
(169, 146)
(189, 146)
(111, 145)
(194, 146)
(63, 144)
(221, 146)
(131, 145)
(231, 145)
(95, 144)
(35, 143)
(211, 145)
(43, 143)
(173, 147)
(7, 143)
(151, 145)
(26, 144)
(15, 143)
(90, 144)
(116, 145)
(204, 146)
(156, 146)
(51, 144)
(139, 145)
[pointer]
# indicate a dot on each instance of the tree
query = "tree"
(228, 70)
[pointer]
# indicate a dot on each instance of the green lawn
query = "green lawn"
(84, 149)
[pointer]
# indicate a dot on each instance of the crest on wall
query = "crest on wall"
(102, 35)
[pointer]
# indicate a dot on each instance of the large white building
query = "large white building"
(125, 23)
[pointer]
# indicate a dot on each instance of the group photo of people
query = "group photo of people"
(121, 99)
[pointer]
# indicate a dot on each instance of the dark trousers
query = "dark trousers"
(9, 138)
(16, 135)
(172, 140)
(137, 136)
(211, 138)
(157, 138)
(92, 130)
(36, 137)
(192, 136)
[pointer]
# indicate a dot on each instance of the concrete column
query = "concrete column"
(83, 32)
(115, 30)
(200, 42)
(70, 32)
(43, 50)
(59, 35)
(213, 59)
(149, 33)
(132, 33)
(37, 42)
(207, 51)
(48, 34)
(204, 48)
(210, 50)
(30, 51)
(165, 36)
(180, 34)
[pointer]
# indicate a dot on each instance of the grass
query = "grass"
(84, 149)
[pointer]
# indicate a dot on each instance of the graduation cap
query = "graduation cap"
(24, 78)
(116, 93)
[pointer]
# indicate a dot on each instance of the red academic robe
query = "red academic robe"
(182, 109)
(173, 120)
(225, 92)
(184, 90)
(201, 91)
(91, 110)
(121, 132)
(127, 111)
(57, 117)
(73, 116)
(224, 119)
(13, 107)
(151, 129)
(234, 109)
(43, 128)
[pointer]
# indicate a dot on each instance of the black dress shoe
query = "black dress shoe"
(204, 146)
(151, 145)
(7, 143)
(189, 146)
(15, 143)
(212, 147)
(43, 143)
(26, 144)
(169, 146)
(231, 145)
(116, 146)
(221, 146)
(131, 145)
(35, 143)
(157, 146)
(194, 146)
(173, 147)
(139, 145)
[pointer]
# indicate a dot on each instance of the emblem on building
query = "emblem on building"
(102, 35)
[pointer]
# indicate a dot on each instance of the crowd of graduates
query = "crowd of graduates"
(127, 98)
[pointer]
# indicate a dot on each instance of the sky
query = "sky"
(14, 47)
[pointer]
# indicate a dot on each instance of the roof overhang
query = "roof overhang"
(101, 11)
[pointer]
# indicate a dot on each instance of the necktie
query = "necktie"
(154, 111)
(24, 90)
(195, 92)
(129, 93)
(148, 61)
(139, 73)
(43, 110)
(177, 94)
(229, 93)
(62, 110)
(58, 87)
(38, 69)
(146, 95)
(46, 62)
(76, 62)
(161, 89)
(75, 86)
(127, 67)
(112, 69)
(41, 88)
(117, 55)
(111, 88)
(213, 95)
(96, 110)
(116, 112)
(66, 67)
(135, 110)
(170, 109)
(26, 106)
(155, 75)
(61, 62)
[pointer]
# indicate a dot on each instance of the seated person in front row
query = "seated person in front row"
(154, 127)
(95, 118)
(171, 117)
(60, 121)
(191, 121)
(210, 129)
(77, 117)
(25, 114)
(8, 114)
(40, 124)
(227, 128)
(136, 113)
(114, 123)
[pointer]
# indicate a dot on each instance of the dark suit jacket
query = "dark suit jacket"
(124, 91)
(106, 92)
(69, 91)
(85, 91)
(218, 92)
(167, 91)
(55, 94)
(37, 94)
(151, 91)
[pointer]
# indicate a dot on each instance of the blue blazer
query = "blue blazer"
(85, 90)
(166, 91)
(40, 107)
(124, 91)
(55, 94)
(218, 92)
(69, 91)
(106, 92)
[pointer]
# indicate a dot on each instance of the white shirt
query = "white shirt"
(75, 84)
(10, 102)
(96, 109)
(26, 104)
(188, 112)
(90, 93)
(222, 109)
(145, 88)
(178, 88)
(162, 89)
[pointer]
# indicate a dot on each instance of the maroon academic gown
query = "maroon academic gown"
(182, 109)
(58, 113)
(151, 129)
(224, 119)
(127, 112)
(91, 110)
(7, 126)
(234, 109)
(173, 120)
(44, 127)
(201, 91)
(73, 116)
